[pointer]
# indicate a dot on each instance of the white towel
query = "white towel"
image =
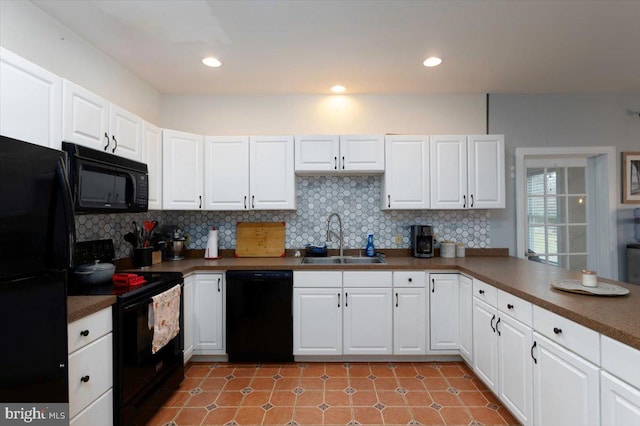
(164, 317)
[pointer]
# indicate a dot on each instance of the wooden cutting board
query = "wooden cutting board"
(260, 239)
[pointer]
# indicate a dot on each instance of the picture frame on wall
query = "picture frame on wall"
(631, 177)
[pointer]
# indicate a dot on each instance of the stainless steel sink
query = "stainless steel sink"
(340, 260)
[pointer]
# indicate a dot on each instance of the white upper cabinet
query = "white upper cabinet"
(485, 180)
(339, 154)
(226, 172)
(30, 101)
(94, 122)
(406, 179)
(249, 173)
(152, 155)
(467, 172)
(182, 179)
(317, 153)
(272, 180)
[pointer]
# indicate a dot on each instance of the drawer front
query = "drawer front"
(317, 279)
(515, 307)
(621, 360)
(485, 292)
(90, 373)
(573, 336)
(409, 278)
(98, 413)
(88, 329)
(367, 278)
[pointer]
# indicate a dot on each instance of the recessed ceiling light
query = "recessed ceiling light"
(338, 88)
(432, 61)
(212, 62)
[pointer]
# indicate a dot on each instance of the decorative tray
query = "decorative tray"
(603, 289)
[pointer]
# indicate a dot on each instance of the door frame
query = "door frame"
(603, 183)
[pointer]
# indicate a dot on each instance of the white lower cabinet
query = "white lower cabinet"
(465, 318)
(208, 314)
(189, 283)
(409, 321)
(90, 344)
(485, 343)
(620, 401)
(367, 321)
(566, 386)
(317, 321)
(443, 303)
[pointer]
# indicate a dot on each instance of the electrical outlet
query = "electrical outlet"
(397, 239)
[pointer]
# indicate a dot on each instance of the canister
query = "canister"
(447, 249)
(589, 278)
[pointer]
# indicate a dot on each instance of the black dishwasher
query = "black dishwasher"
(260, 316)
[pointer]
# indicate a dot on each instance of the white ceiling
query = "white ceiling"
(516, 46)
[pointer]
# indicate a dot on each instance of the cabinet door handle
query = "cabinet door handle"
(557, 330)
(335, 163)
(253, 201)
(245, 202)
(535, 361)
(84, 333)
(509, 306)
(218, 285)
(471, 200)
(493, 319)
(200, 198)
(338, 300)
(497, 329)
(85, 379)
(106, 136)
(343, 162)
(396, 300)
(389, 201)
(346, 300)
(115, 144)
(433, 285)
(481, 291)
(464, 201)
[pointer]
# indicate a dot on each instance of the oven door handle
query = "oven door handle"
(137, 305)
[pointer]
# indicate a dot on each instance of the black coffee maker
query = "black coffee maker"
(422, 241)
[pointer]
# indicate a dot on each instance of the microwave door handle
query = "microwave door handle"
(67, 202)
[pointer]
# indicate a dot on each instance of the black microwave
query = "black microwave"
(105, 183)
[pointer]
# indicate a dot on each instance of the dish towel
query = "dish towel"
(164, 317)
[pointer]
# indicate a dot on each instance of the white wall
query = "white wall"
(325, 114)
(563, 120)
(37, 37)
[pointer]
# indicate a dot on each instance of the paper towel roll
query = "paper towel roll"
(211, 252)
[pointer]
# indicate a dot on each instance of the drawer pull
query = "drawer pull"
(557, 330)
(481, 291)
(85, 379)
(410, 279)
(84, 333)
(509, 306)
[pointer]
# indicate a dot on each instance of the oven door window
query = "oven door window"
(139, 366)
(101, 187)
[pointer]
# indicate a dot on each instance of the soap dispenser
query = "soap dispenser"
(370, 250)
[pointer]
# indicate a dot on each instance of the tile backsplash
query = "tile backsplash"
(356, 198)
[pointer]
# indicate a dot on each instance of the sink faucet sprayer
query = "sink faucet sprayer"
(329, 232)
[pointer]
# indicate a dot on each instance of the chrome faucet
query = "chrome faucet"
(340, 236)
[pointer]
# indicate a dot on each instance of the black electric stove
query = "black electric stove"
(142, 380)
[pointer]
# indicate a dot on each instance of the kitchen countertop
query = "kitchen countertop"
(81, 306)
(616, 317)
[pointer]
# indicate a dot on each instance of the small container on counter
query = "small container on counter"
(447, 249)
(589, 278)
(460, 250)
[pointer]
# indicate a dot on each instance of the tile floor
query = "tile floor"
(332, 394)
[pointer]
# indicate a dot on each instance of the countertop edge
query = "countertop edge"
(79, 307)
